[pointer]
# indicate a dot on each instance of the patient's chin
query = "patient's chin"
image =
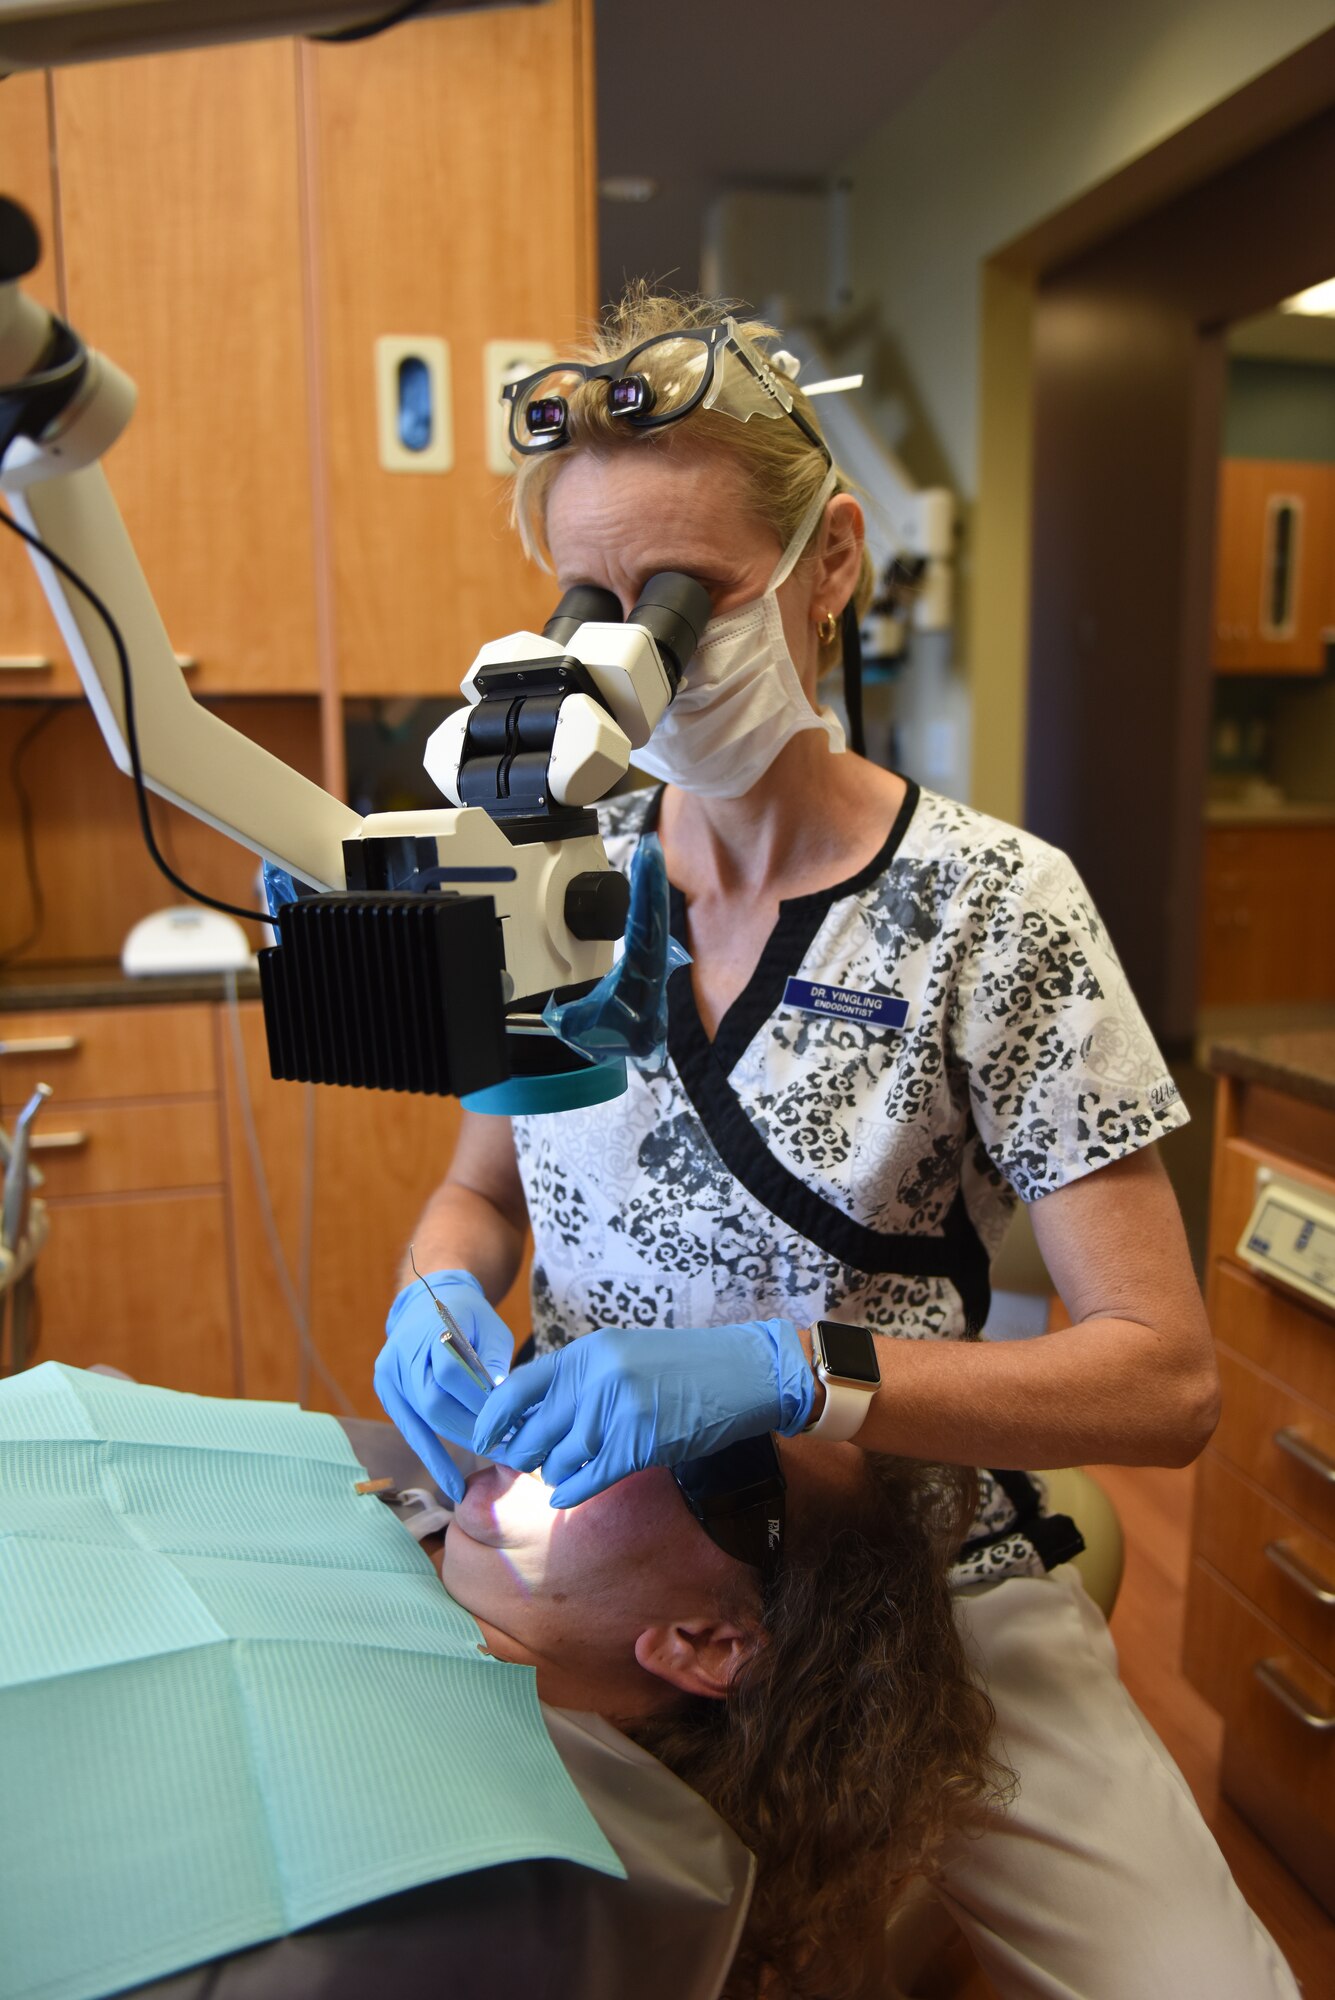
(467, 1592)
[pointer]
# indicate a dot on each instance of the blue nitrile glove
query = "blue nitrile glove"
(616, 1401)
(424, 1388)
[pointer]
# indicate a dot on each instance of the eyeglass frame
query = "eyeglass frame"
(734, 1485)
(720, 339)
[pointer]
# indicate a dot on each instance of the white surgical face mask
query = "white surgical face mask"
(740, 701)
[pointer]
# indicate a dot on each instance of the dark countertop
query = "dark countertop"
(26, 988)
(1298, 1061)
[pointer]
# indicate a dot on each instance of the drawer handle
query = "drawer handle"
(1309, 1580)
(41, 1045)
(1306, 1453)
(24, 663)
(1276, 1682)
(69, 1142)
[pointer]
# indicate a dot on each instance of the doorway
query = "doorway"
(1269, 837)
(1131, 378)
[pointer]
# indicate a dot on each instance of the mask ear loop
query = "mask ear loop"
(805, 529)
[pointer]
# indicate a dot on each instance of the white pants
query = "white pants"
(1102, 1881)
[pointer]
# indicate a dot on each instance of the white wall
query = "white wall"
(1046, 101)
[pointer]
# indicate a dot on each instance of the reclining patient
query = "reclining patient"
(789, 1654)
(817, 1698)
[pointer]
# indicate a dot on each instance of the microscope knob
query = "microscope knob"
(596, 905)
(20, 245)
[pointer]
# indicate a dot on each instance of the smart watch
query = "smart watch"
(844, 1359)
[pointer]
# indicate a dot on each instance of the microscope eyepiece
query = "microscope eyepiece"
(674, 609)
(583, 604)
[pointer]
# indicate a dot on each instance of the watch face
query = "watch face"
(850, 1352)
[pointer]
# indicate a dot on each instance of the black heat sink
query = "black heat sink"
(387, 991)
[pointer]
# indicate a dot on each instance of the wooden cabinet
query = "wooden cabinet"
(237, 227)
(1260, 1629)
(32, 653)
(452, 169)
(94, 871)
(178, 1174)
(135, 1271)
(1266, 897)
(1274, 566)
(183, 261)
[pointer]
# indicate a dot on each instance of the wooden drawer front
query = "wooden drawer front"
(166, 1317)
(128, 1148)
(1226, 1641)
(92, 1052)
(1295, 1343)
(1255, 1409)
(1269, 1554)
(1233, 1191)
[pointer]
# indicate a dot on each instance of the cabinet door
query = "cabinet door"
(33, 659)
(1273, 566)
(142, 1285)
(1263, 936)
(1237, 593)
(377, 1156)
(183, 257)
(452, 182)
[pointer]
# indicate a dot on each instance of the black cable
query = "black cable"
(131, 727)
(362, 31)
(852, 652)
(36, 899)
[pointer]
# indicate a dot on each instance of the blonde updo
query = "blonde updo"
(782, 469)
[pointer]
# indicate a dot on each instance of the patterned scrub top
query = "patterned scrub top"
(805, 1165)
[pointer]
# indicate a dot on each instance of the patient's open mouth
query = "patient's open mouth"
(501, 1507)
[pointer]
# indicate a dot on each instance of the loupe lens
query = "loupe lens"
(632, 396)
(545, 416)
(540, 408)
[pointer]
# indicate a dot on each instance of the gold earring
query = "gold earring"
(827, 627)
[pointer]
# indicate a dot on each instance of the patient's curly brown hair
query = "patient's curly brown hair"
(856, 1737)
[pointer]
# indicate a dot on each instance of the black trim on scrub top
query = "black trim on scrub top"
(1055, 1537)
(956, 1254)
(794, 933)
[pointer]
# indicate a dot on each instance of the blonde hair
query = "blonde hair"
(855, 1740)
(781, 468)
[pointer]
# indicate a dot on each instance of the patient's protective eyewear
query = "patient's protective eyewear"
(657, 383)
(737, 1496)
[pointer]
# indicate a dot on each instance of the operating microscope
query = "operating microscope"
(417, 950)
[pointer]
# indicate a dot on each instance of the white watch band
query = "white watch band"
(844, 1412)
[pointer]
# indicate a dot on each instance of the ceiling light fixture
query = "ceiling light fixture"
(1316, 299)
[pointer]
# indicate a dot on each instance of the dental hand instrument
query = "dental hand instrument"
(453, 1335)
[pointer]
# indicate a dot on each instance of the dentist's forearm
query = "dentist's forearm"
(460, 1230)
(1108, 1391)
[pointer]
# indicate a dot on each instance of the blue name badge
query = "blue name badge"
(878, 1010)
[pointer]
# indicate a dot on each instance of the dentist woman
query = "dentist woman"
(900, 1018)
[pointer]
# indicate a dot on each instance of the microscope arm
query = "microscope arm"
(58, 490)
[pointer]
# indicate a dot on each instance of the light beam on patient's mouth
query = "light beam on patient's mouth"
(508, 1513)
